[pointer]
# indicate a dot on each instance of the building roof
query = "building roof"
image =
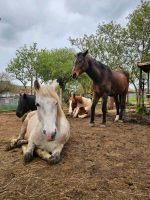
(145, 66)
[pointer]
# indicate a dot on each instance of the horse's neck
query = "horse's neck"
(31, 99)
(93, 70)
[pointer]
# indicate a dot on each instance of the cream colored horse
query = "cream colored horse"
(47, 129)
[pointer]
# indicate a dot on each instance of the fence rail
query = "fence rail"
(8, 103)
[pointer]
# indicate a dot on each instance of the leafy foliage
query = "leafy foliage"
(121, 47)
(23, 66)
(5, 83)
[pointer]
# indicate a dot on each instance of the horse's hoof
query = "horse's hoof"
(117, 118)
(120, 120)
(54, 159)
(28, 157)
(9, 147)
(92, 124)
(103, 125)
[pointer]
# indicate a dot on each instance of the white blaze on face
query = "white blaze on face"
(47, 113)
(70, 107)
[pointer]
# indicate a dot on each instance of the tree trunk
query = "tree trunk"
(31, 84)
(137, 93)
(111, 103)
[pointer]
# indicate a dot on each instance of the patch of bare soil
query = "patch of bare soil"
(111, 163)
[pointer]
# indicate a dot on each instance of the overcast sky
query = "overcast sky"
(51, 22)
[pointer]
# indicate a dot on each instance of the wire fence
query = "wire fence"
(8, 103)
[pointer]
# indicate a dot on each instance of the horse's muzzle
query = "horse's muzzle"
(19, 114)
(50, 137)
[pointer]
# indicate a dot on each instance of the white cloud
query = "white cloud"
(51, 22)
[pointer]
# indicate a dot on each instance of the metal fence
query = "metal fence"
(9, 103)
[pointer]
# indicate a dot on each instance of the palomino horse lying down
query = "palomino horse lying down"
(79, 106)
(47, 129)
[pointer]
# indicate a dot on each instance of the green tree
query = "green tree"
(119, 47)
(138, 44)
(139, 31)
(5, 83)
(55, 64)
(23, 66)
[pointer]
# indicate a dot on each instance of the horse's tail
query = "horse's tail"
(126, 74)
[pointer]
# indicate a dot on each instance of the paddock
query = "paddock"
(111, 163)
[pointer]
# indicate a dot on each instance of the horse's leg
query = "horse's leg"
(117, 108)
(17, 142)
(122, 106)
(43, 154)
(28, 154)
(14, 143)
(76, 111)
(104, 109)
(55, 157)
(24, 148)
(94, 103)
(83, 116)
(23, 130)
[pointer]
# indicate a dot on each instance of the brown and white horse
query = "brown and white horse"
(79, 106)
(45, 130)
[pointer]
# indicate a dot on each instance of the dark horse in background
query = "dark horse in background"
(26, 103)
(105, 83)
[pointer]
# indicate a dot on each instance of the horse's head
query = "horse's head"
(23, 106)
(72, 104)
(80, 64)
(48, 108)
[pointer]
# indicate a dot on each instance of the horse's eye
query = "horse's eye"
(80, 61)
(56, 103)
(37, 104)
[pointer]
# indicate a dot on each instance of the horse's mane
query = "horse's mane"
(50, 92)
(100, 64)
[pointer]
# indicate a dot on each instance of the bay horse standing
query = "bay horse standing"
(46, 130)
(79, 106)
(106, 82)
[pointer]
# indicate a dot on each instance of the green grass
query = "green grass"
(7, 108)
(132, 101)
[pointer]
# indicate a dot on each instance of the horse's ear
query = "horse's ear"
(54, 85)
(74, 95)
(85, 53)
(36, 85)
(24, 95)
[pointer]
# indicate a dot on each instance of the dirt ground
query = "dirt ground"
(111, 163)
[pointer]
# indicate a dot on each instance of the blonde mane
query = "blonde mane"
(48, 91)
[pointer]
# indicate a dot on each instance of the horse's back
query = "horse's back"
(121, 79)
(87, 102)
